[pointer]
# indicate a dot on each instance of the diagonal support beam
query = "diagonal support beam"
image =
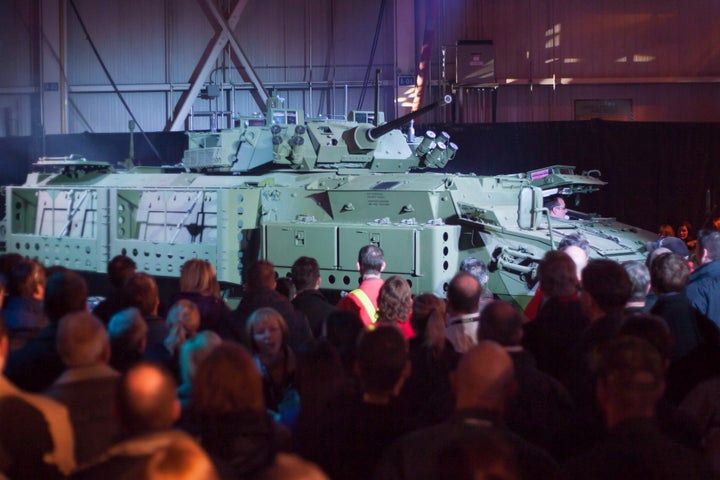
(223, 35)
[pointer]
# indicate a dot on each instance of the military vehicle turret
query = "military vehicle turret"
(284, 186)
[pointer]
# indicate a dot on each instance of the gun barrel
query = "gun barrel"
(377, 132)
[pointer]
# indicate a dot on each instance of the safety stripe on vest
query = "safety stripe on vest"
(366, 303)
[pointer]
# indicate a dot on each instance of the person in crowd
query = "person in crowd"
(119, 269)
(560, 321)
(183, 320)
(341, 329)
(7, 260)
(321, 377)
(702, 406)
(556, 207)
(363, 300)
(669, 277)
(181, 459)
(23, 309)
(703, 288)
(463, 296)
(142, 293)
(629, 384)
(666, 230)
(259, 285)
(541, 400)
(427, 394)
(686, 233)
(606, 290)
(37, 364)
(285, 287)
(227, 414)
(395, 305)
(192, 353)
(478, 269)
(577, 246)
(585, 428)
(292, 467)
(268, 334)
(309, 300)
(674, 244)
(128, 338)
(484, 385)
(487, 455)
(640, 278)
(36, 437)
(199, 284)
(356, 430)
(88, 385)
(147, 407)
(576, 239)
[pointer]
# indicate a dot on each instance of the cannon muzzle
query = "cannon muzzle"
(378, 132)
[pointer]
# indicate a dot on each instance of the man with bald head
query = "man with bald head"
(463, 296)
(484, 384)
(148, 406)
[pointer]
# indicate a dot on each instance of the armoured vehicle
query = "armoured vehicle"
(284, 186)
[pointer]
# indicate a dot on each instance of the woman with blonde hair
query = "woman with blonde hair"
(199, 284)
(268, 335)
(183, 322)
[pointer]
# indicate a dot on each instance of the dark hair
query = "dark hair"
(305, 273)
(608, 284)
(119, 269)
(475, 267)
(25, 276)
(575, 239)
(501, 322)
(632, 370)
(371, 259)
(709, 240)
(666, 230)
(7, 260)
(142, 293)
(260, 274)
(486, 454)
(66, 292)
(394, 300)
(464, 293)
(424, 307)
(669, 273)
(552, 202)
(690, 229)
(381, 358)
(558, 275)
(285, 287)
(227, 381)
(342, 328)
(639, 277)
(652, 329)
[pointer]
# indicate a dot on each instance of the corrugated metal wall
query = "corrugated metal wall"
(663, 55)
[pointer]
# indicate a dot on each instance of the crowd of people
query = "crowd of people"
(612, 371)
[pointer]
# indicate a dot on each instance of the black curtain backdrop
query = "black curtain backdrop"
(656, 172)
